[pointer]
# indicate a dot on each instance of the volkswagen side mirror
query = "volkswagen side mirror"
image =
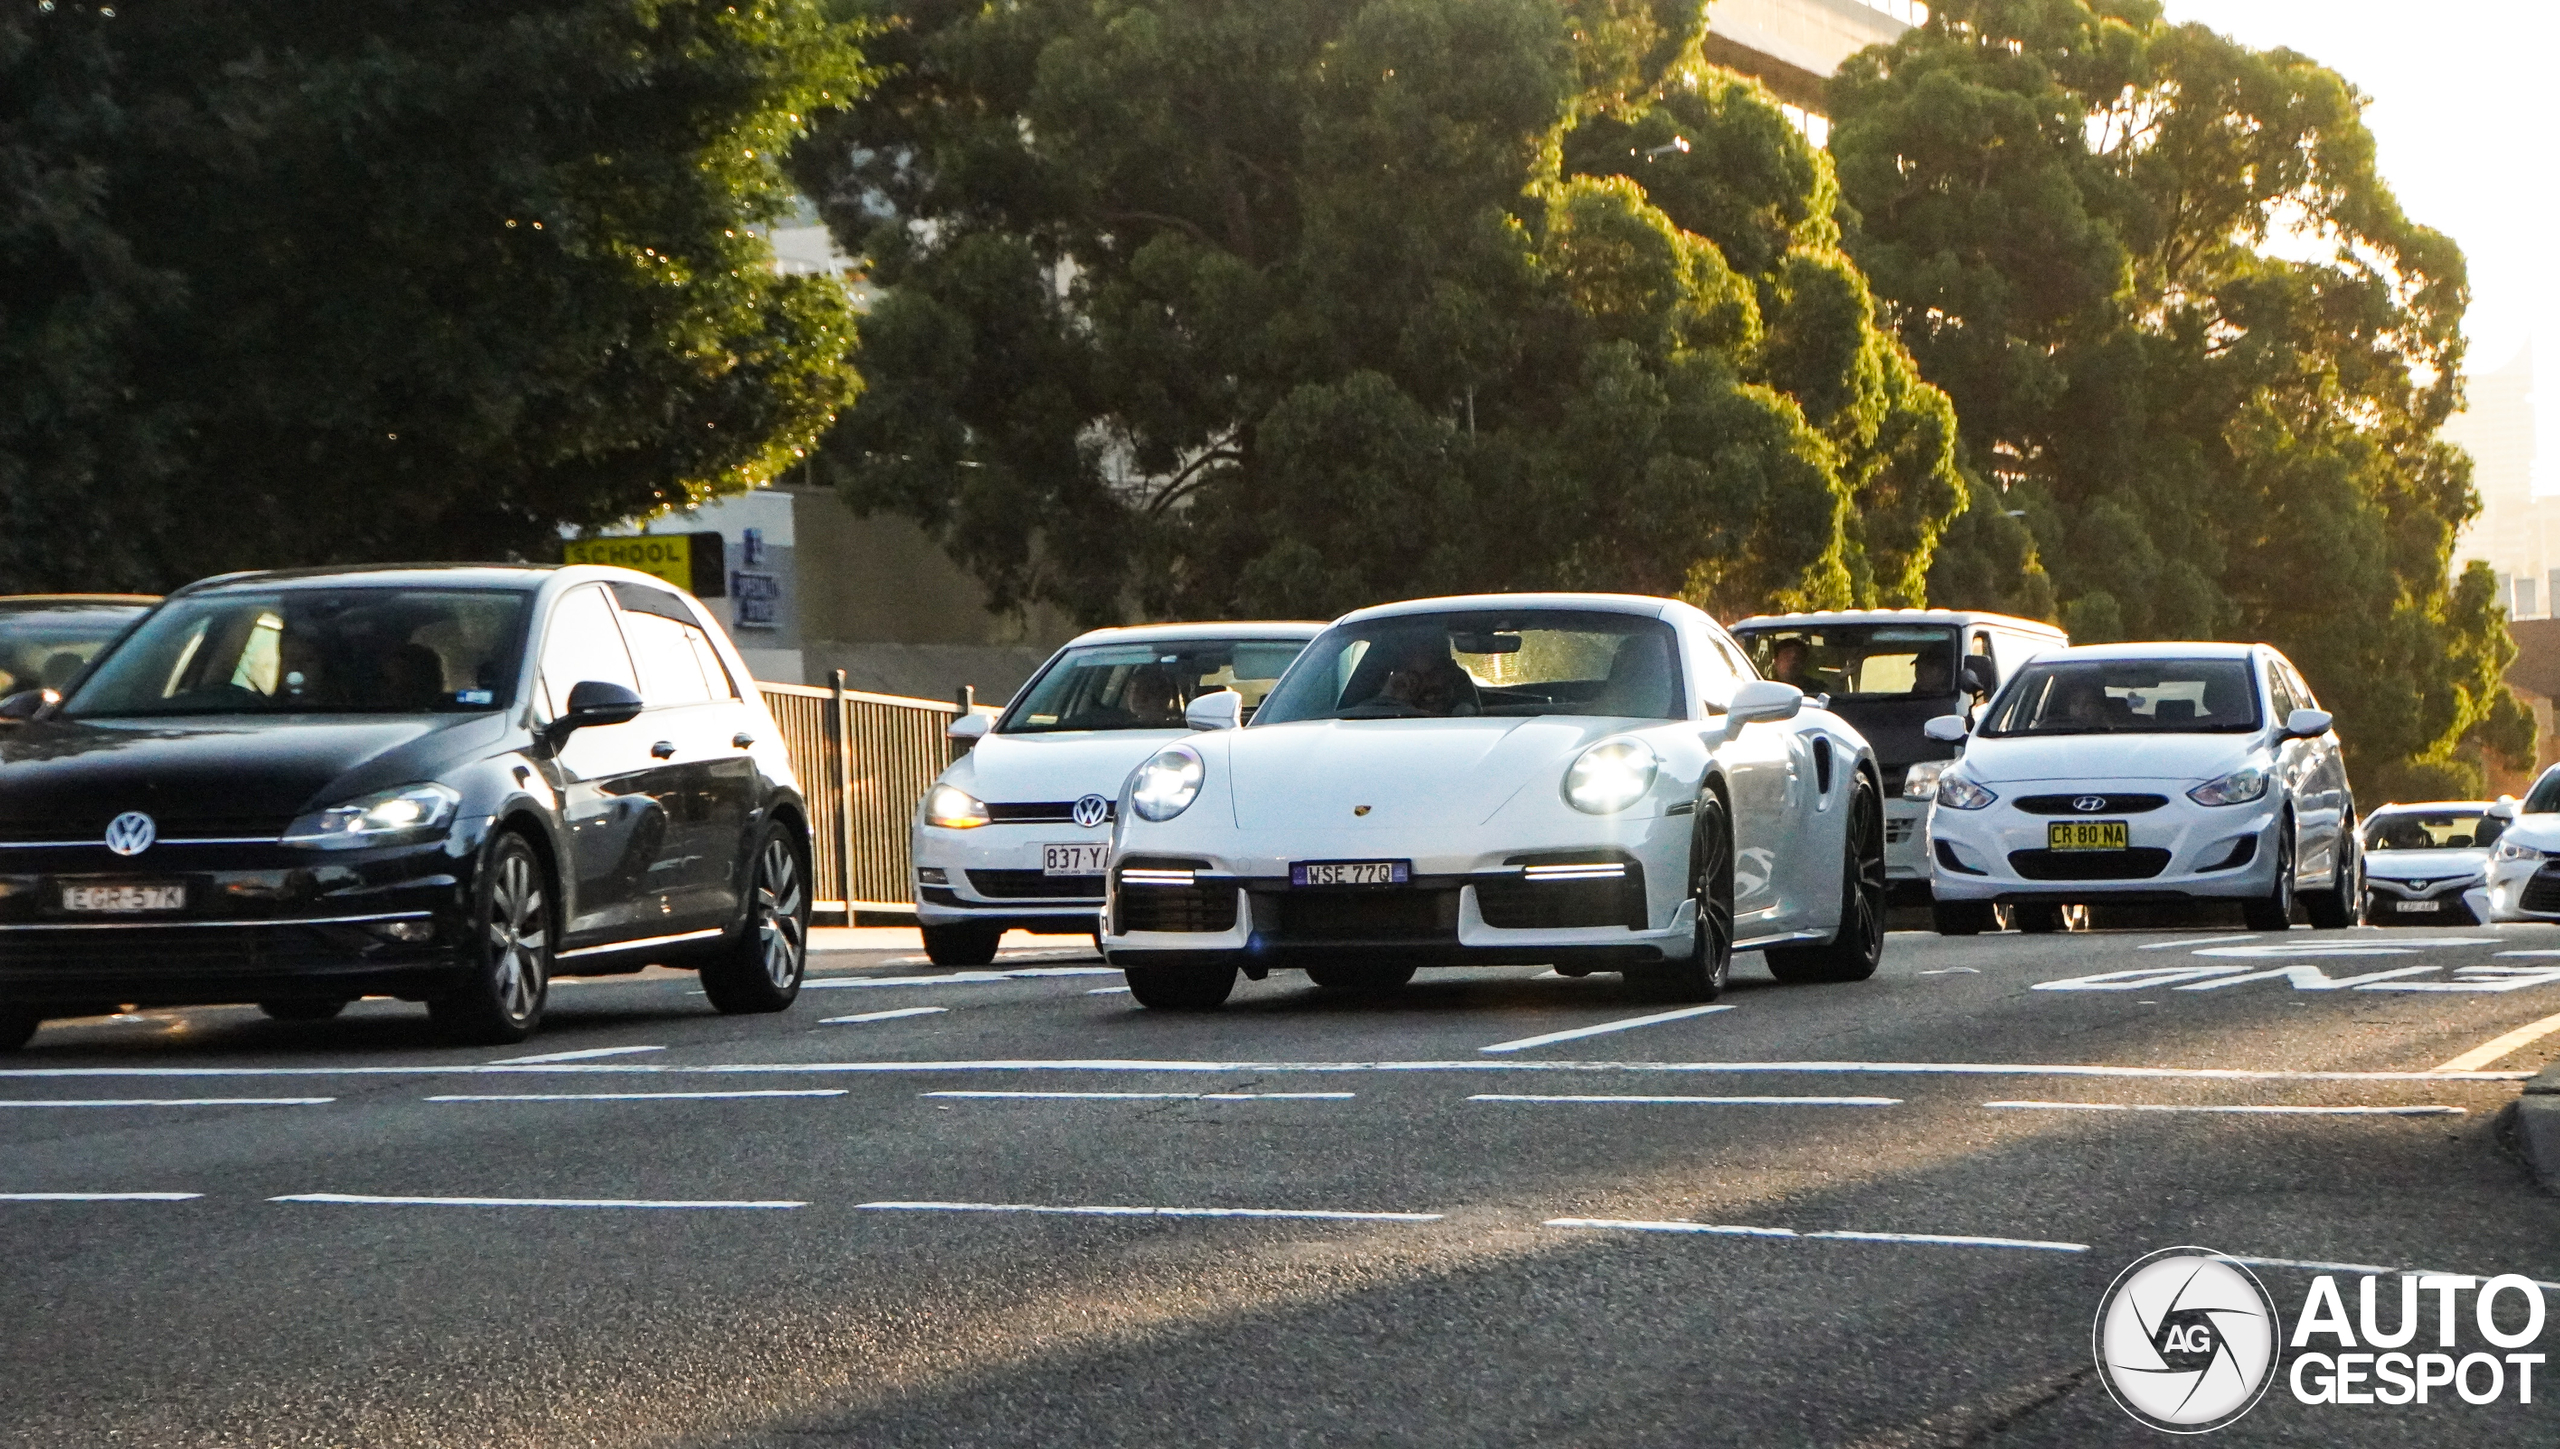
(1946, 729)
(595, 702)
(28, 704)
(969, 728)
(2307, 724)
(1219, 709)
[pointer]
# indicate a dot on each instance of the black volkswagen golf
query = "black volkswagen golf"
(446, 784)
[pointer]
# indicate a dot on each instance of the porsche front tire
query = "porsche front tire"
(1703, 976)
(1181, 988)
(1856, 948)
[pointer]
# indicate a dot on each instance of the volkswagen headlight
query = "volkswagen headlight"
(410, 812)
(2518, 850)
(953, 808)
(1610, 776)
(1921, 780)
(2241, 786)
(1166, 785)
(1958, 793)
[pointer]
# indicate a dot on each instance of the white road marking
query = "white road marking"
(643, 1096)
(2308, 978)
(2480, 979)
(1954, 971)
(368, 1200)
(173, 1102)
(2195, 941)
(590, 1054)
(2498, 1047)
(1705, 1101)
(1148, 1212)
(959, 978)
(2371, 946)
(884, 1015)
(1147, 1096)
(1551, 1038)
(1108, 991)
(1735, 1230)
(2271, 1111)
(99, 1196)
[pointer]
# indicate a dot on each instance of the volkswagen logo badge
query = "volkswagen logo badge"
(2090, 804)
(1091, 811)
(131, 833)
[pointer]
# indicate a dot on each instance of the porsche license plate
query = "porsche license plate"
(2085, 835)
(1350, 872)
(123, 900)
(1073, 859)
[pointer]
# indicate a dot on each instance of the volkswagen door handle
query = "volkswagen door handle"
(742, 740)
(662, 750)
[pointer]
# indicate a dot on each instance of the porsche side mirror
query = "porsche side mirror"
(968, 729)
(1763, 701)
(1946, 729)
(1219, 709)
(28, 704)
(1980, 675)
(2307, 724)
(595, 702)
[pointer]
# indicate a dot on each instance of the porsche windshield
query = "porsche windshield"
(2128, 696)
(1858, 661)
(1145, 686)
(1440, 666)
(314, 650)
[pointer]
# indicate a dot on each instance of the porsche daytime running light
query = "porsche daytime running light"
(411, 810)
(953, 808)
(1610, 776)
(2241, 786)
(2517, 850)
(1920, 782)
(1958, 793)
(1166, 785)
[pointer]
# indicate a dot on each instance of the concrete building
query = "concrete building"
(2518, 535)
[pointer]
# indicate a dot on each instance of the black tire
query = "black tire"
(761, 968)
(2274, 910)
(2342, 904)
(513, 933)
(304, 1010)
(17, 1027)
(1360, 980)
(1710, 965)
(966, 944)
(1857, 947)
(1963, 918)
(1181, 988)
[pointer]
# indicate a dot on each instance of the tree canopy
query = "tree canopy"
(301, 282)
(2197, 350)
(1202, 307)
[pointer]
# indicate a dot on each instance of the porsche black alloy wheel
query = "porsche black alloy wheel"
(761, 968)
(1854, 950)
(967, 944)
(2274, 910)
(2340, 906)
(1710, 965)
(509, 953)
(1181, 988)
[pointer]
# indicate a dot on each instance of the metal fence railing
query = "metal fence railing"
(863, 762)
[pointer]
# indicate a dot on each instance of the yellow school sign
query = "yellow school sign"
(695, 562)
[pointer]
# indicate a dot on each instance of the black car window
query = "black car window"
(1143, 686)
(1522, 662)
(2128, 696)
(314, 650)
(44, 643)
(670, 674)
(583, 643)
(1858, 661)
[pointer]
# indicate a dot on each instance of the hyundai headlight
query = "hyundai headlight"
(953, 808)
(1958, 793)
(1921, 780)
(2241, 786)
(410, 812)
(1610, 776)
(2518, 850)
(1166, 785)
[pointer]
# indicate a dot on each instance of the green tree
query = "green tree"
(1199, 307)
(2197, 348)
(298, 282)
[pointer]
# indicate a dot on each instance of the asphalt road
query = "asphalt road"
(1459, 1233)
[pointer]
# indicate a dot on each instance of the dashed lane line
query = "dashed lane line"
(1579, 1032)
(99, 1196)
(958, 978)
(1312, 1214)
(1737, 1230)
(641, 1096)
(2497, 1048)
(1146, 1096)
(1701, 1101)
(1140, 1066)
(368, 1200)
(2225, 940)
(2235, 1110)
(588, 1055)
(169, 1102)
(883, 1015)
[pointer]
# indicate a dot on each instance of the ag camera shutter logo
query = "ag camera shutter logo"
(2186, 1340)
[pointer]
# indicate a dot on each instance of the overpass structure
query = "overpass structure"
(1793, 46)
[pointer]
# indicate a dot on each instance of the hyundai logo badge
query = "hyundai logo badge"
(2090, 804)
(131, 833)
(1091, 811)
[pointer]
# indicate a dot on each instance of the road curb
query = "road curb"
(2538, 1125)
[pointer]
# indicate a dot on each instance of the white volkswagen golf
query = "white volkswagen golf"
(2147, 772)
(1014, 834)
(1591, 781)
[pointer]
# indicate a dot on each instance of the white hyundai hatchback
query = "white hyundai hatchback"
(1014, 834)
(2147, 772)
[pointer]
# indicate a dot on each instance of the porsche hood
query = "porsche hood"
(1399, 772)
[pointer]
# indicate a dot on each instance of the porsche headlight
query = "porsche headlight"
(2518, 850)
(1920, 782)
(412, 811)
(2241, 786)
(1166, 785)
(953, 808)
(1610, 776)
(1958, 793)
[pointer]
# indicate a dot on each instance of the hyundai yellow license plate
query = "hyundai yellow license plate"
(2085, 835)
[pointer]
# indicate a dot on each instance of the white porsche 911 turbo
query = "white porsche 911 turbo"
(1589, 781)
